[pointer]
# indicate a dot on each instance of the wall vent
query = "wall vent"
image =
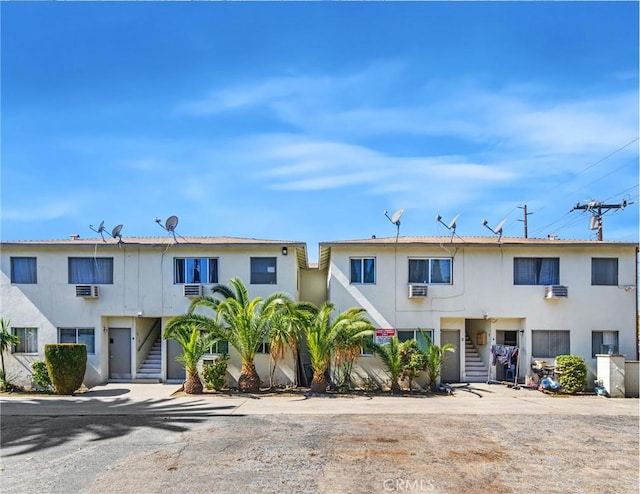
(193, 291)
(417, 291)
(556, 291)
(87, 291)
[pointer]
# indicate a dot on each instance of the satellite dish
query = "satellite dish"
(101, 227)
(99, 230)
(116, 232)
(171, 223)
(452, 224)
(395, 219)
(498, 228)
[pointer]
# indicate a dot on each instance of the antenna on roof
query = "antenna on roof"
(395, 219)
(115, 233)
(451, 225)
(170, 226)
(497, 230)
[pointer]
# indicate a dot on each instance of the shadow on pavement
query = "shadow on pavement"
(38, 424)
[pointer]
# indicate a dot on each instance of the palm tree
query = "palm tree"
(435, 357)
(325, 337)
(194, 343)
(392, 356)
(7, 340)
(245, 323)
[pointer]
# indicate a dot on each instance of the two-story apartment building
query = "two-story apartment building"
(546, 297)
(116, 297)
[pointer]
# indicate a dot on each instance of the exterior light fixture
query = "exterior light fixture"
(285, 251)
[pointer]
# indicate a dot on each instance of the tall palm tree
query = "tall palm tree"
(392, 357)
(245, 323)
(6, 341)
(286, 330)
(325, 336)
(194, 343)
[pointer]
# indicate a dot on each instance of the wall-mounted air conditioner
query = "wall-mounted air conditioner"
(87, 291)
(417, 291)
(556, 291)
(193, 291)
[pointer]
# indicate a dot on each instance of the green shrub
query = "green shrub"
(40, 375)
(215, 374)
(66, 364)
(573, 373)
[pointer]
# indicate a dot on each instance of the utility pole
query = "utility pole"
(526, 235)
(598, 208)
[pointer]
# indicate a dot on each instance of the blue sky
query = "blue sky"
(305, 121)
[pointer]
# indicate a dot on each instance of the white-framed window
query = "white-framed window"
(363, 270)
(432, 271)
(263, 347)
(536, 271)
(422, 336)
(219, 347)
(195, 270)
(82, 336)
(24, 270)
(28, 340)
(550, 343)
(604, 271)
(91, 270)
(264, 271)
(604, 342)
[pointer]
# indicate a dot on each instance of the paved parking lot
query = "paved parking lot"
(144, 438)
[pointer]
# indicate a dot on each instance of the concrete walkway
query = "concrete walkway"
(161, 399)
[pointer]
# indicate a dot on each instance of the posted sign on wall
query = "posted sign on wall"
(384, 335)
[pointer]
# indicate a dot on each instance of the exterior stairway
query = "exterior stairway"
(475, 369)
(151, 369)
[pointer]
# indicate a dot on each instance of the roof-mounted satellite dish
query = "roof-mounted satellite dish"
(497, 230)
(395, 219)
(169, 225)
(99, 230)
(451, 225)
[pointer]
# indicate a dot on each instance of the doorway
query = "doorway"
(509, 338)
(451, 363)
(175, 370)
(119, 353)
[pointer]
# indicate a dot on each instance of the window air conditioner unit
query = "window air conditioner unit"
(193, 291)
(555, 291)
(417, 291)
(87, 291)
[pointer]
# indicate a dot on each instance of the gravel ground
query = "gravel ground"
(459, 444)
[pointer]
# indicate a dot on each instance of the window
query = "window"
(82, 336)
(430, 271)
(422, 336)
(263, 271)
(24, 270)
(220, 346)
(28, 340)
(263, 347)
(604, 342)
(536, 271)
(604, 271)
(363, 270)
(91, 270)
(195, 270)
(549, 343)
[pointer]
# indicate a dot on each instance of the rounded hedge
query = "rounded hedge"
(66, 363)
(573, 373)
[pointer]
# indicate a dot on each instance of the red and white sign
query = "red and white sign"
(384, 335)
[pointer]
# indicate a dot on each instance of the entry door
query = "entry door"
(451, 364)
(119, 353)
(175, 370)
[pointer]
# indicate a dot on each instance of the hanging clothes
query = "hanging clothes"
(506, 355)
